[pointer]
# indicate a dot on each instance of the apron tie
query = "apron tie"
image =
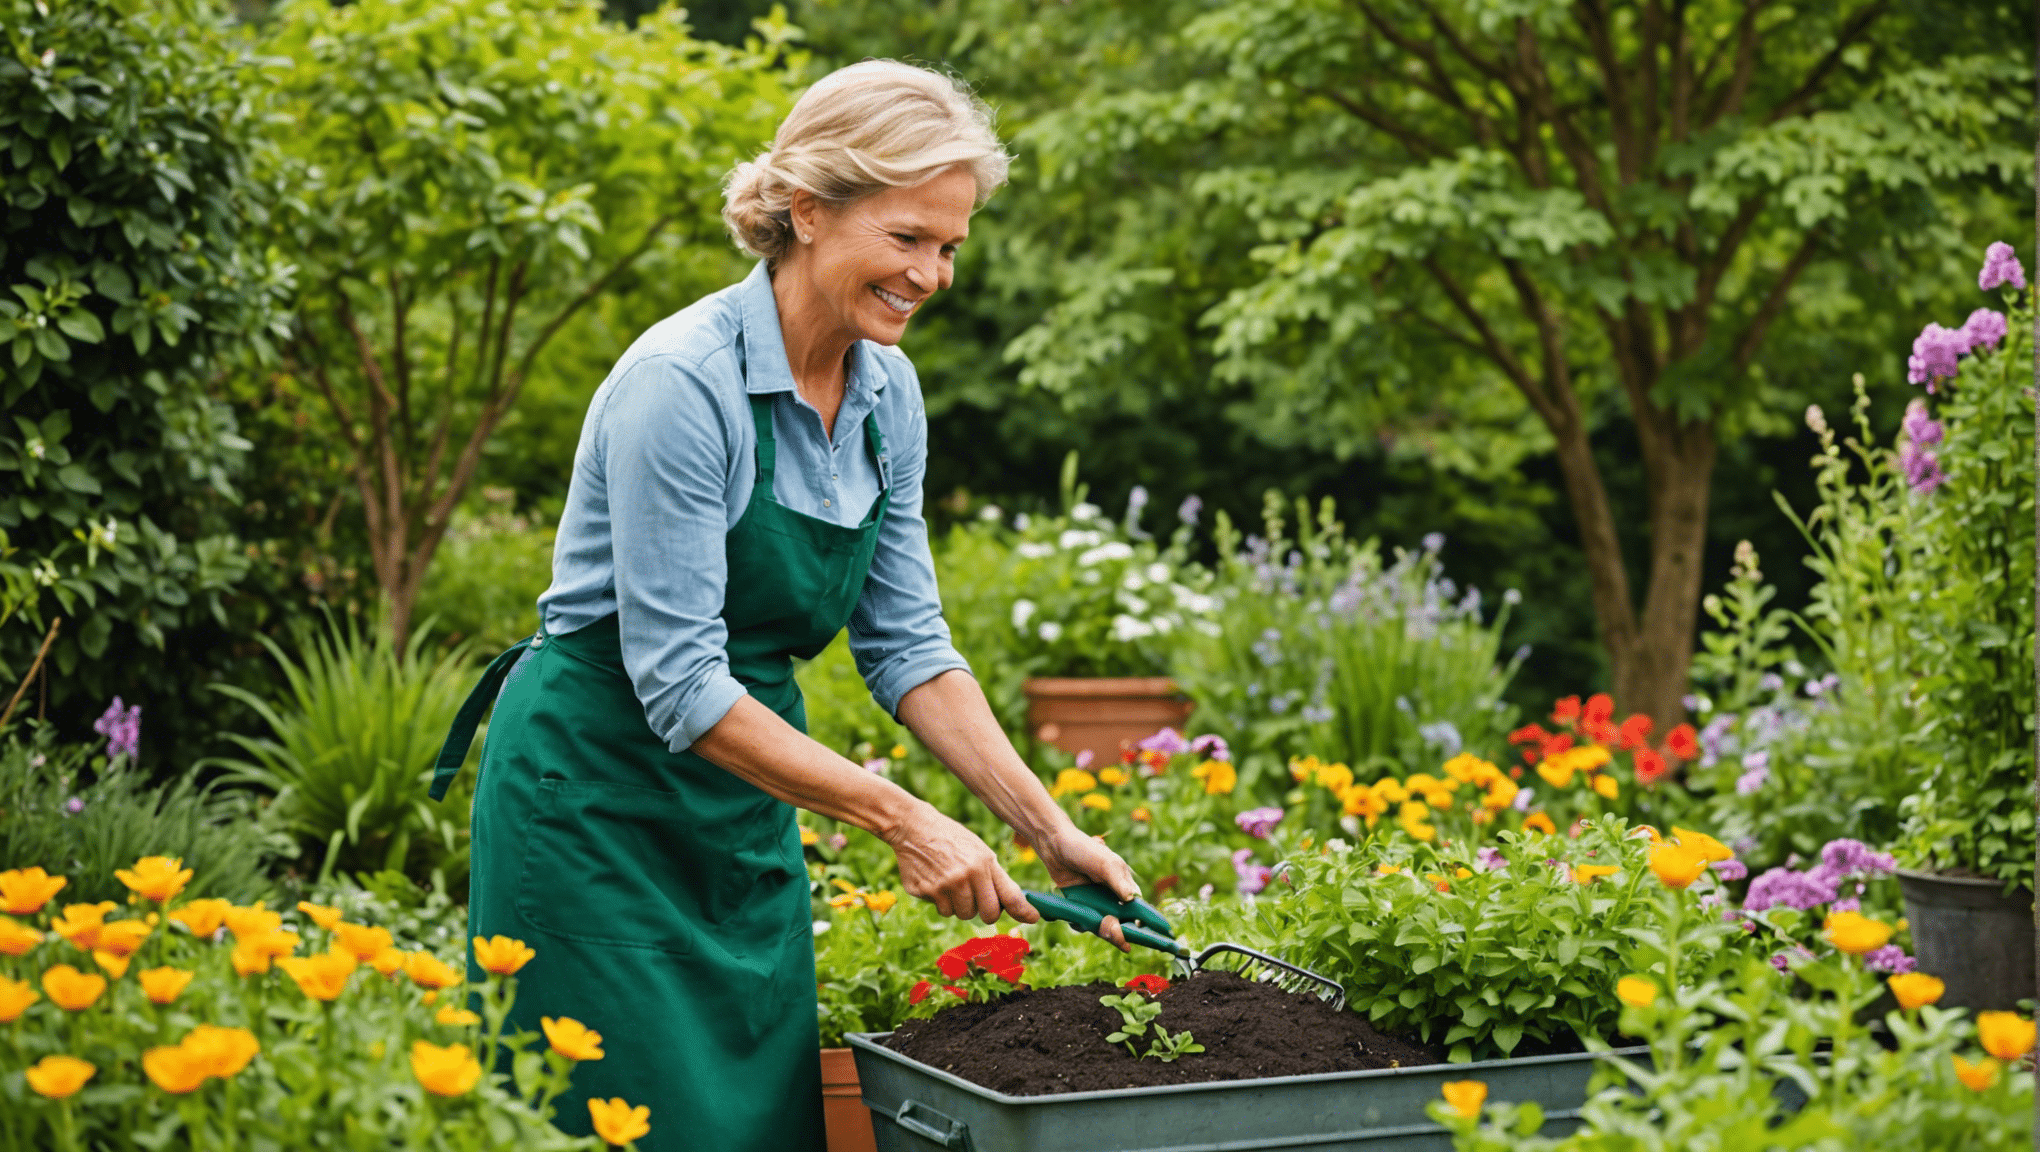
(462, 735)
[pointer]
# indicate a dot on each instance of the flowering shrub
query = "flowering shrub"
(201, 1023)
(976, 970)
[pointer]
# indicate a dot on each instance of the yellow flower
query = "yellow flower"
(174, 1069)
(1303, 768)
(1438, 882)
(1855, 933)
(1466, 1097)
(115, 964)
(899, 752)
(360, 941)
(121, 937)
(17, 938)
(59, 1076)
(1141, 814)
(223, 1052)
(617, 1122)
(2005, 1035)
(448, 1071)
(1588, 873)
(1219, 776)
(80, 923)
(1675, 864)
(72, 990)
(24, 891)
(250, 921)
(155, 878)
(1636, 991)
(809, 837)
(1916, 988)
(458, 1017)
(389, 961)
(880, 902)
(571, 1038)
(1364, 802)
(1097, 801)
(1710, 849)
(1500, 794)
(253, 954)
(1334, 777)
(1470, 769)
(321, 915)
(1072, 780)
(1606, 787)
(1540, 822)
(847, 900)
(1113, 777)
(1387, 869)
(163, 985)
(1556, 770)
(502, 955)
(1391, 790)
(1977, 1077)
(321, 977)
(15, 997)
(202, 917)
(1411, 817)
(428, 971)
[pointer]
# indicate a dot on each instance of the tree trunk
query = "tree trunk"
(1651, 675)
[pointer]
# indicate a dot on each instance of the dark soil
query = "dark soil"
(1041, 1041)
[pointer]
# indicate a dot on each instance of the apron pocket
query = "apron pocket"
(611, 864)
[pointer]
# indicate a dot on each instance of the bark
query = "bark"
(2036, 516)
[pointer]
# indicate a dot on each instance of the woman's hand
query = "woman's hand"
(945, 864)
(1072, 857)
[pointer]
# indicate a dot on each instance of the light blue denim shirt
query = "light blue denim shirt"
(664, 469)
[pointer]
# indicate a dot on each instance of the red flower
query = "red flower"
(1636, 730)
(1533, 737)
(1557, 744)
(1683, 742)
(1600, 731)
(1148, 983)
(1126, 752)
(999, 955)
(1650, 767)
(1566, 711)
(1167, 882)
(922, 990)
(1600, 708)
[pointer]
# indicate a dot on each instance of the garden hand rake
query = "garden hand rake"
(1085, 906)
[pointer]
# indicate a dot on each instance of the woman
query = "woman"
(748, 481)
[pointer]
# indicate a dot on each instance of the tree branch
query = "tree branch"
(1852, 28)
(1409, 138)
(1774, 303)
(1491, 343)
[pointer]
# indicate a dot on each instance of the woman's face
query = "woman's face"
(872, 263)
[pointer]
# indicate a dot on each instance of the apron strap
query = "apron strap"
(462, 734)
(768, 448)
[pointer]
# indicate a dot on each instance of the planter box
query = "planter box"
(843, 1112)
(1971, 935)
(917, 1108)
(1098, 714)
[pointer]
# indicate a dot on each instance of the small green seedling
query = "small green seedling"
(1135, 1011)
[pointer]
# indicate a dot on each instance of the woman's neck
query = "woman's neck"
(817, 345)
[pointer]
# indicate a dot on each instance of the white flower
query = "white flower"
(36, 449)
(1023, 611)
(1116, 550)
(1050, 631)
(1162, 624)
(1021, 521)
(1077, 538)
(1126, 629)
(990, 512)
(1194, 602)
(821, 926)
(1158, 572)
(1134, 582)
(1083, 512)
(1035, 551)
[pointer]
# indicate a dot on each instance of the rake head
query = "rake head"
(1260, 967)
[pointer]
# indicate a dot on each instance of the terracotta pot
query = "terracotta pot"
(1099, 714)
(843, 1110)
(1974, 937)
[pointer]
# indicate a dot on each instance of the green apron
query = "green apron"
(667, 899)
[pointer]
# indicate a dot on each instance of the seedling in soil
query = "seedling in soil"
(1135, 1011)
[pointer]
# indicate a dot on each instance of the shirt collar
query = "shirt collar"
(765, 365)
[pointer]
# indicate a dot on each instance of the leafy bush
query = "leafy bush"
(485, 582)
(351, 750)
(89, 815)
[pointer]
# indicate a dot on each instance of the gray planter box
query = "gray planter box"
(916, 1108)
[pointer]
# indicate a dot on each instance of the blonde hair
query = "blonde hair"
(860, 130)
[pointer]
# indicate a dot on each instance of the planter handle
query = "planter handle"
(953, 1133)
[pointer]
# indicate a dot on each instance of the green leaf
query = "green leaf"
(81, 326)
(78, 479)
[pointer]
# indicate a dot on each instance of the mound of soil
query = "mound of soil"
(1045, 1040)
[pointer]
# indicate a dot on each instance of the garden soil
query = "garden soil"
(1040, 1041)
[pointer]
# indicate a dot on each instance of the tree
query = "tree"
(466, 179)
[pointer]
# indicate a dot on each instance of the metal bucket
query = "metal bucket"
(917, 1108)
(1975, 938)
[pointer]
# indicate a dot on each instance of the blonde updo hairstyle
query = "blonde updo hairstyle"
(860, 130)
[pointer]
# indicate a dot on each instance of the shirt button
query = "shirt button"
(825, 504)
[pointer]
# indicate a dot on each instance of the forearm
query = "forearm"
(950, 715)
(752, 743)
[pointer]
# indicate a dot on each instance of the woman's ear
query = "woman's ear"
(804, 212)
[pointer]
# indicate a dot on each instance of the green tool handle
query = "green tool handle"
(1087, 919)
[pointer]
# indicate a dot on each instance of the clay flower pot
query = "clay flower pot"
(1100, 714)
(843, 1112)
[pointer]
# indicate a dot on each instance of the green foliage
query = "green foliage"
(134, 280)
(1136, 1012)
(351, 747)
(485, 583)
(77, 813)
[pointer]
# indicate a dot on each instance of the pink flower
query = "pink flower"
(2000, 266)
(1984, 329)
(122, 728)
(1168, 742)
(1084, 758)
(1252, 877)
(1211, 746)
(1934, 355)
(1258, 822)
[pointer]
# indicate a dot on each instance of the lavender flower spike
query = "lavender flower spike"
(2000, 266)
(122, 727)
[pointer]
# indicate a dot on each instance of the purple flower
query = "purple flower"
(1919, 425)
(2000, 266)
(1849, 857)
(1934, 355)
(1779, 962)
(1258, 822)
(122, 728)
(1211, 746)
(1433, 541)
(1846, 904)
(1522, 801)
(1711, 737)
(1731, 869)
(878, 765)
(1922, 469)
(1491, 859)
(1753, 780)
(1253, 877)
(74, 805)
(1984, 329)
(1168, 742)
(1890, 959)
(838, 842)
(1187, 512)
(1801, 890)
(1084, 758)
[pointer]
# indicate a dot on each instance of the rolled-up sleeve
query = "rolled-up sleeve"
(897, 632)
(665, 440)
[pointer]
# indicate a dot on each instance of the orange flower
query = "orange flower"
(1466, 1097)
(202, 917)
(1540, 822)
(1977, 1077)
(1636, 991)
(1711, 850)
(321, 915)
(1914, 989)
(322, 977)
(1141, 814)
(571, 1038)
(253, 920)
(1855, 933)
(1607, 787)
(24, 891)
(1220, 777)
(163, 985)
(448, 1071)
(2005, 1035)
(389, 961)
(253, 954)
(361, 941)
(174, 1069)
(114, 964)
(428, 971)
(1588, 873)
(155, 878)
(59, 1076)
(121, 937)
(458, 1017)
(80, 923)
(617, 1122)
(1675, 864)
(880, 902)
(17, 938)
(222, 1051)
(15, 997)
(72, 990)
